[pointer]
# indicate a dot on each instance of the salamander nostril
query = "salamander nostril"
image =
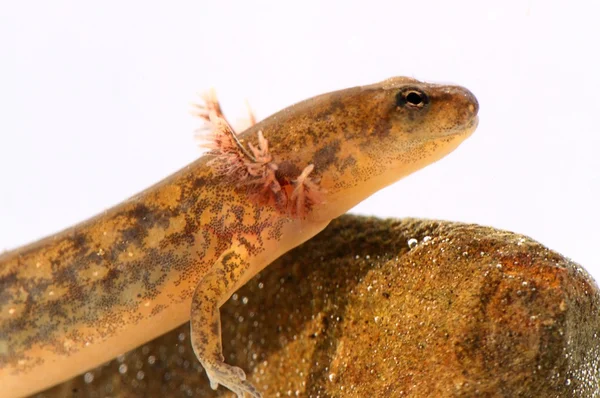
(474, 104)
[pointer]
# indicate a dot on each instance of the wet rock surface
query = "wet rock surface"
(390, 308)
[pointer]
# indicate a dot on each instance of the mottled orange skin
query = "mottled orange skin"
(81, 297)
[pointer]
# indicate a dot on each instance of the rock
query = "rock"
(467, 311)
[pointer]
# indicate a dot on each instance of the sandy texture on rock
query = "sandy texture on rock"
(466, 311)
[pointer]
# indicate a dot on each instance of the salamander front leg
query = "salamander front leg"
(212, 291)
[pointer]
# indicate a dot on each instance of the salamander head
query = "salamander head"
(384, 132)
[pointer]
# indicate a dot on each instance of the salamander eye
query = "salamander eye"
(412, 98)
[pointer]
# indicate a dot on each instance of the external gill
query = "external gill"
(254, 168)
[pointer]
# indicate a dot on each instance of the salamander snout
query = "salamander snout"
(463, 100)
(473, 107)
(457, 107)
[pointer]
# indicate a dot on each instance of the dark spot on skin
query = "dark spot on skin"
(92, 258)
(184, 237)
(147, 218)
(6, 282)
(135, 235)
(346, 162)
(143, 219)
(79, 242)
(109, 280)
(287, 171)
(335, 105)
(310, 132)
(139, 212)
(56, 310)
(214, 328)
(164, 221)
(68, 276)
(199, 205)
(159, 308)
(75, 245)
(325, 156)
(238, 212)
(252, 249)
(112, 254)
(199, 182)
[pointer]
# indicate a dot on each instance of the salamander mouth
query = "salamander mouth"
(461, 130)
(472, 125)
(466, 129)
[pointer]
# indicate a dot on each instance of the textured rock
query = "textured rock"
(467, 311)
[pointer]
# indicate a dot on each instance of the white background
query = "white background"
(95, 100)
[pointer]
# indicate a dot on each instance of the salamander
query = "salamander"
(178, 250)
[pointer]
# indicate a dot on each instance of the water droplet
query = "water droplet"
(427, 238)
(568, 382)
(412, 242)
(88, 377)
(123, 369)
(499, 266)
(332, 377)
(245, 300)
